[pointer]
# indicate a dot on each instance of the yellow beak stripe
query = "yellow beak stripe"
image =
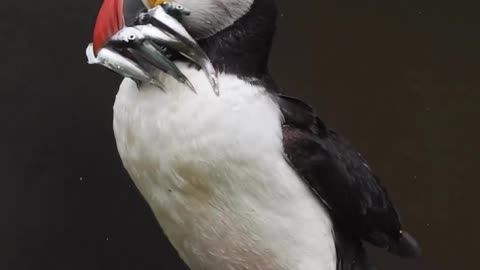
(154, 3)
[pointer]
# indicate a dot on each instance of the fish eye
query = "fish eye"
(179, 7)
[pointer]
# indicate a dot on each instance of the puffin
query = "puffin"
(245, 177)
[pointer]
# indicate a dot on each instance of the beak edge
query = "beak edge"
(109, 21)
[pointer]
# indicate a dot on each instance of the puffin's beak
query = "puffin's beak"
(110, 20)
(142, 45)
(153, 3)
(113, 15)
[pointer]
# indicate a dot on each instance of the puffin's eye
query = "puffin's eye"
(131, 37)
(179, 7)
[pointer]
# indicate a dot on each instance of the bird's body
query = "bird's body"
(250, 178)
(214, 173)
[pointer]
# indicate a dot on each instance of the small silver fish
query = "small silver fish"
(191, 51)
(135, 40)
(121, 65)
(160, 19)
(175, 10)
(136, 51)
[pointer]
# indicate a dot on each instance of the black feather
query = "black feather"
(243, 48)
(342, 179)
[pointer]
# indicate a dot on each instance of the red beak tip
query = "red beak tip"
(110, 20)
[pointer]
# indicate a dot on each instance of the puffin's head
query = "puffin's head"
(207, 16)
(218, 35)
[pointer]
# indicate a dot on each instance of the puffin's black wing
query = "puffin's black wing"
(341, 178)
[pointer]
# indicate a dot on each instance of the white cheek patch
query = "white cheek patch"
(211, 16)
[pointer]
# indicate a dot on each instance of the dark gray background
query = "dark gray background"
(400, 78)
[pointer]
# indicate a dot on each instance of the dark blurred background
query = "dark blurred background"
(399, 78)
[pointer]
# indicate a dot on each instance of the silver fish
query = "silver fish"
(170, 26)
(135, 40)
(116, 62)
(194, 53)
(136, 51)
(175, 10)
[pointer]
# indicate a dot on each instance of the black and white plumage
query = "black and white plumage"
(250, 179)
(342, 179)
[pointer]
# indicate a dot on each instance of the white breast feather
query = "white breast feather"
(212, 170)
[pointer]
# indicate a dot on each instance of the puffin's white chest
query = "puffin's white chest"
(213, 172)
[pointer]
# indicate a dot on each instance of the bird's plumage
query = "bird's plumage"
(338, 174)
(250, 179)
(343, 181)
(243, 48)
(212, 169)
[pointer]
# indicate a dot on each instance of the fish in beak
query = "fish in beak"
(124, 66)
(169, 32)
(131, 51)
(137, 43)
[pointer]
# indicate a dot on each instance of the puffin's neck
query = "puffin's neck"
(243, 48)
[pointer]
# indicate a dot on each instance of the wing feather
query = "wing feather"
(342, 179)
